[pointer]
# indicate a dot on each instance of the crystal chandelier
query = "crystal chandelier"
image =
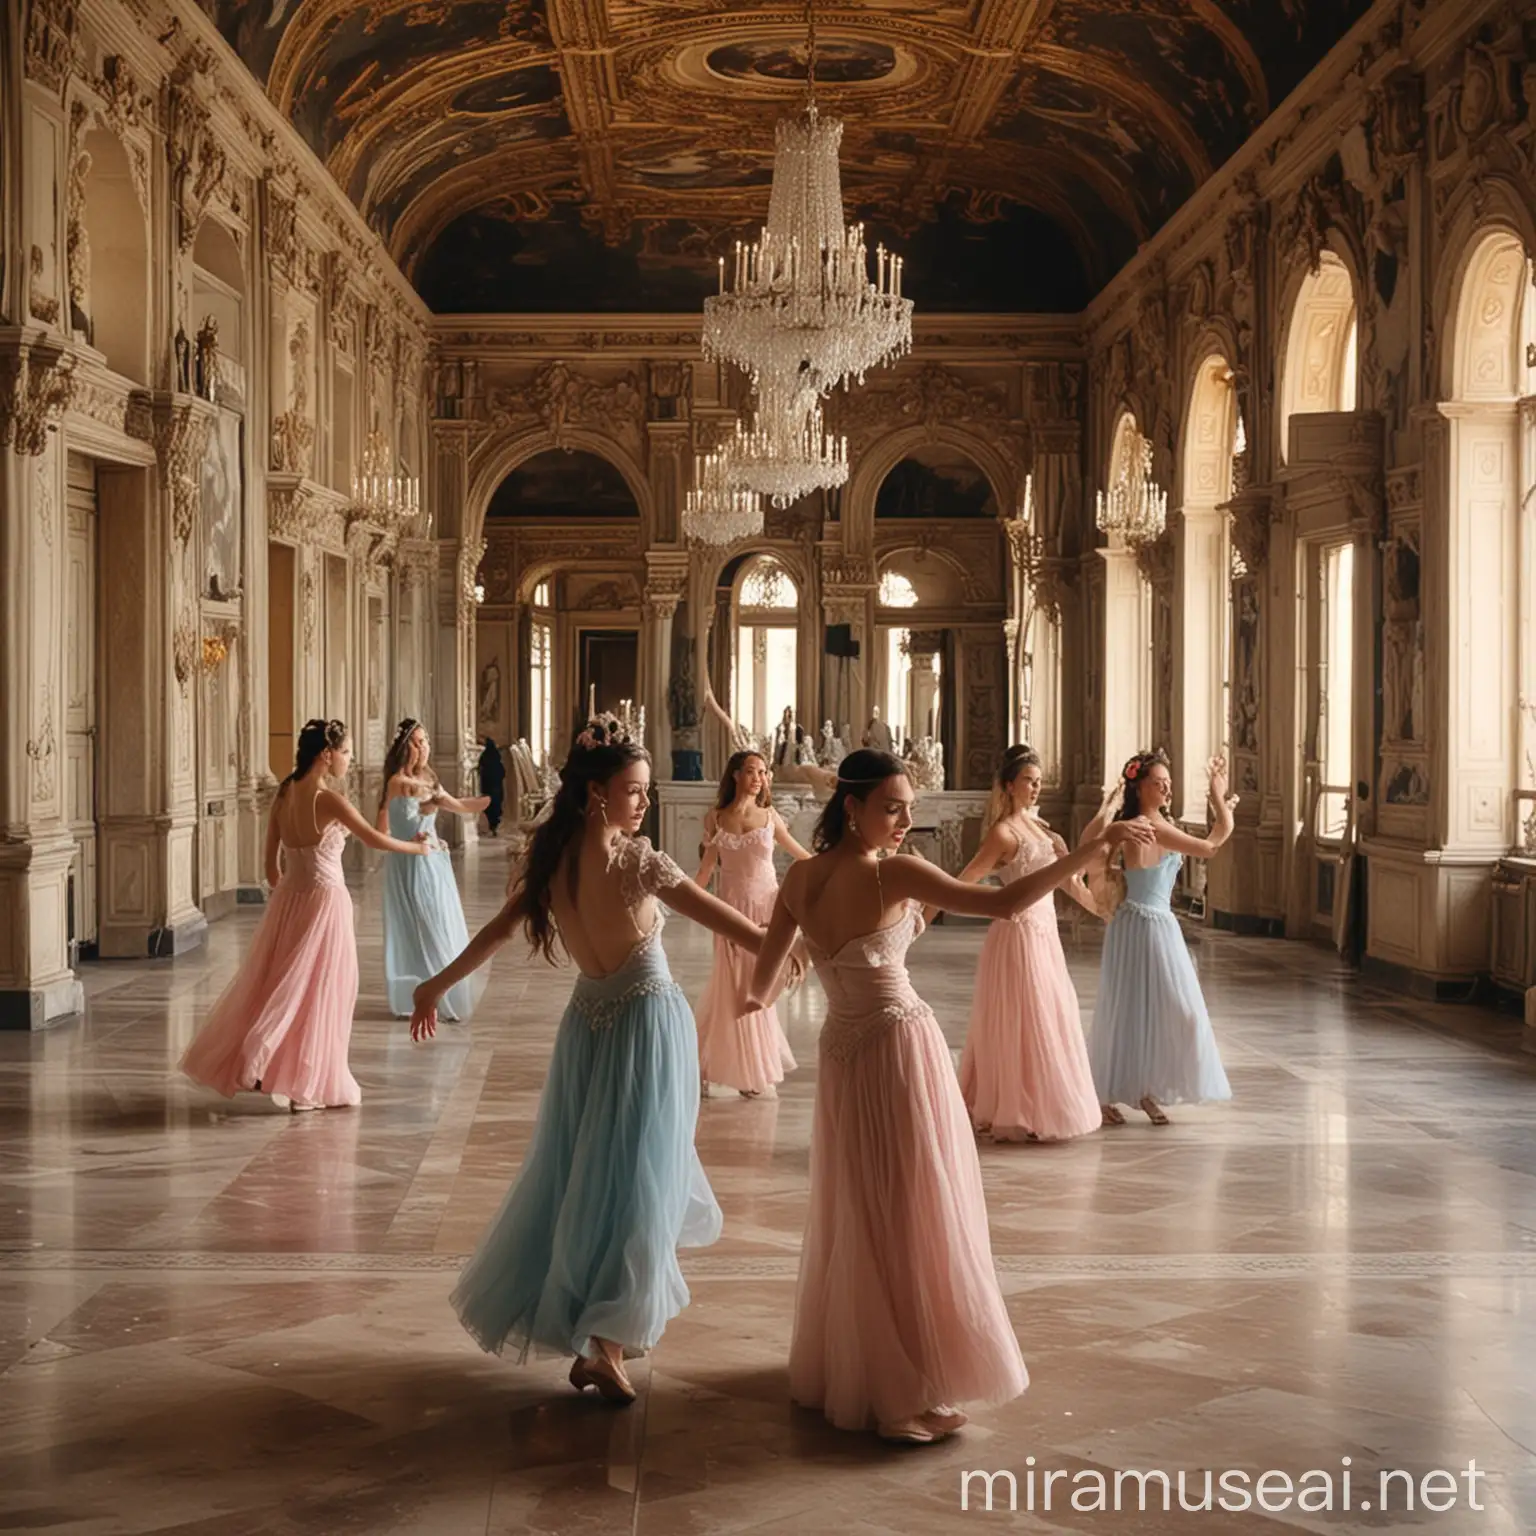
(714, 510)
(1135, 507)
(378, 496)
(800, 304)
(785, 453)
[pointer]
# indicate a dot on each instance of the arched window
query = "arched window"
(1128, 668)
(766, 658)
(1321, 346)
(1212, 443)
(111, 264)
(897, 591)
(1491, 486)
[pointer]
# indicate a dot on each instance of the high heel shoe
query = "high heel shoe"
(610, 1379)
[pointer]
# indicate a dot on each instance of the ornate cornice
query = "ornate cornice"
(37, 385)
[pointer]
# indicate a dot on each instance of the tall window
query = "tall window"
(1321, 347)
(767, 619)
(1335, 691)
(541, 674)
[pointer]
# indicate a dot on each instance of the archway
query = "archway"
(1320, 350)
(109, 255)
(1491, 479)
(1202, 616)
(939, 665)
(558, 626)
(1128, 660)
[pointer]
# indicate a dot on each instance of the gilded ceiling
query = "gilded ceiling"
(537, 155)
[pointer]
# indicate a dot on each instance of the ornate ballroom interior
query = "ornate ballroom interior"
(356, 361)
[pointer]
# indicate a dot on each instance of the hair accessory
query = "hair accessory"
(1132, 769)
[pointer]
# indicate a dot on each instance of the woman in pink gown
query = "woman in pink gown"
(745, 1051)
(898, 1314)
(284, 1023)
(1024, 1072)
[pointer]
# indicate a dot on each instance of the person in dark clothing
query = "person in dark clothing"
(493, 778)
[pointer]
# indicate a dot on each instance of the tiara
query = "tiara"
(602, 731)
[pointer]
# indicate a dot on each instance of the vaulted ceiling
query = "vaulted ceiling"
(539, 155)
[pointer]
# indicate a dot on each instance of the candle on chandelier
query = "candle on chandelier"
(722, 274)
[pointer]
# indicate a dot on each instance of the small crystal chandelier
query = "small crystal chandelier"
(714, 510)
(800, 303)
(378, 496)
(785, 453)
(1136, 507)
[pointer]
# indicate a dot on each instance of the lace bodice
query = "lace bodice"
(1032, 853)
(409, 816)
(1152, 887)
(746, 861)
(643, 872)
(866, 982)
(318, 864)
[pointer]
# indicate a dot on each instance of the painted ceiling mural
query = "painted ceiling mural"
(543, 155)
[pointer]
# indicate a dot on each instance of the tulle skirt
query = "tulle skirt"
(285, 1021)
(585, 1244)
(1151, 1035)
(1025, 1064)
(748, 1051)
(424, 929)
(898, 1308)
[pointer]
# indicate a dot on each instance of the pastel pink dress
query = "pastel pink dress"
(746, 1051)
(285, 1021)
(1025, 1067)
(898, 1309)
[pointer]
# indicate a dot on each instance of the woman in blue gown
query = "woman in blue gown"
(424, 925)
(1151, 1043)
(581, 1259)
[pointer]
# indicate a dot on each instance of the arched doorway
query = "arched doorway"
(939, 669)
(1202, 616)
(1321, 346)
(557, 627)
(764, 604)
(1491, 478)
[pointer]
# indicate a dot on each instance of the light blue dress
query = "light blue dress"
(424, 924)
(585, 1244)
(1151, 1035)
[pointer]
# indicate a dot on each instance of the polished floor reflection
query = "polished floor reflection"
(222, 1318)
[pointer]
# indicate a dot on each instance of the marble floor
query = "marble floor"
(222, 1318)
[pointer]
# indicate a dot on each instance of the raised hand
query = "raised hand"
(1217, 769)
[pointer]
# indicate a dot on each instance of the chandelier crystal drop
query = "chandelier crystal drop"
(785, 452)
(1135, 507)
(714, 510)
(800, 303)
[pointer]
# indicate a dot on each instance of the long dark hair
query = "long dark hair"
(1135, 770)
(315, 739)
(727, 796)
(599, 753)
(399, 755)
(859, 774)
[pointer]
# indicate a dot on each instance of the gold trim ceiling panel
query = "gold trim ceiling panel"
(598, 155)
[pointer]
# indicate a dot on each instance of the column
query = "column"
(666, 579)
(37, 985)
(1127, 718)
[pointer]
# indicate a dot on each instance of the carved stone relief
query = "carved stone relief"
(37, 385)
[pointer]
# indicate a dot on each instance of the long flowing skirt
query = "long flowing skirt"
(1151, 1035)
(745, 1051)
(285, 1021)
(1025, 1064)
(424, 929)
(585, 1244)
(898, 1308)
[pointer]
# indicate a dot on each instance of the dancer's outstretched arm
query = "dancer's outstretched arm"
(695, 902)
(471, 807)
(1105, 814)
(1177, 841)
(997, 847)
(351, 818)
(920, 881)
(1077, 887)
(476, 953)
(711, 854)
(777, 943)
(785, 839)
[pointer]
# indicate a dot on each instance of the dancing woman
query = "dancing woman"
(424, 925)
(284, 1023)
(898, 1313)
(582, 1257)
(1024, 1073)
(745, 1051)
(1151, 1042)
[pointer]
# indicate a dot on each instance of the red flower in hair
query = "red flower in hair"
(1132, 769)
